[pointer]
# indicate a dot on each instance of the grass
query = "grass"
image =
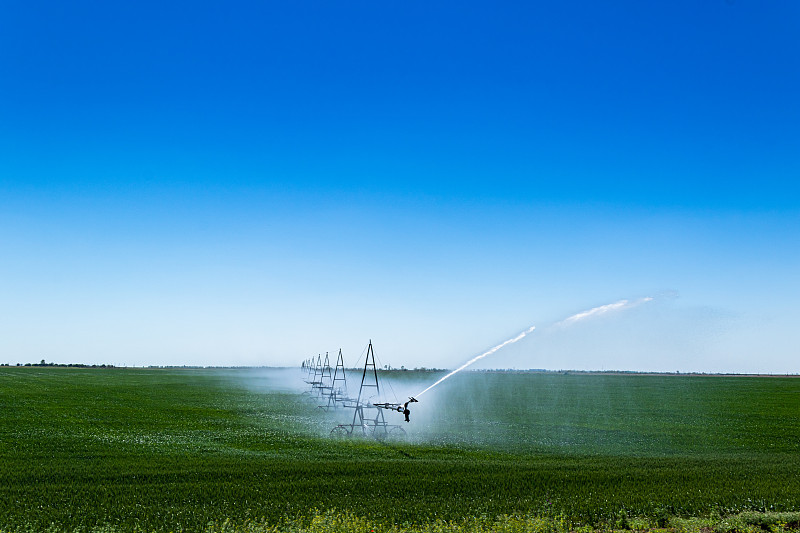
(228, 450)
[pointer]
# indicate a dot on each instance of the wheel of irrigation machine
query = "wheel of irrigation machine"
(339, 433)
(396, 433)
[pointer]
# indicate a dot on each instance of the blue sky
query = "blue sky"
(256, 182)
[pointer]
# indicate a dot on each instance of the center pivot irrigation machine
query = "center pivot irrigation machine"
(330, 386)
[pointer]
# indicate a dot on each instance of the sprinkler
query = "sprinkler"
(399, 407)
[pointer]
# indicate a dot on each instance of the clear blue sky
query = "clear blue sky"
(256, 182)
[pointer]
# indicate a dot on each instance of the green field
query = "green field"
(171, 449)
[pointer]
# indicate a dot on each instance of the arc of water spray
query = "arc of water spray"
(479, 357)
(622, 304)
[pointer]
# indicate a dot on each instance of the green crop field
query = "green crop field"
(189, 449)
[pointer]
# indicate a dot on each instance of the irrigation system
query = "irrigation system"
(328, 387)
